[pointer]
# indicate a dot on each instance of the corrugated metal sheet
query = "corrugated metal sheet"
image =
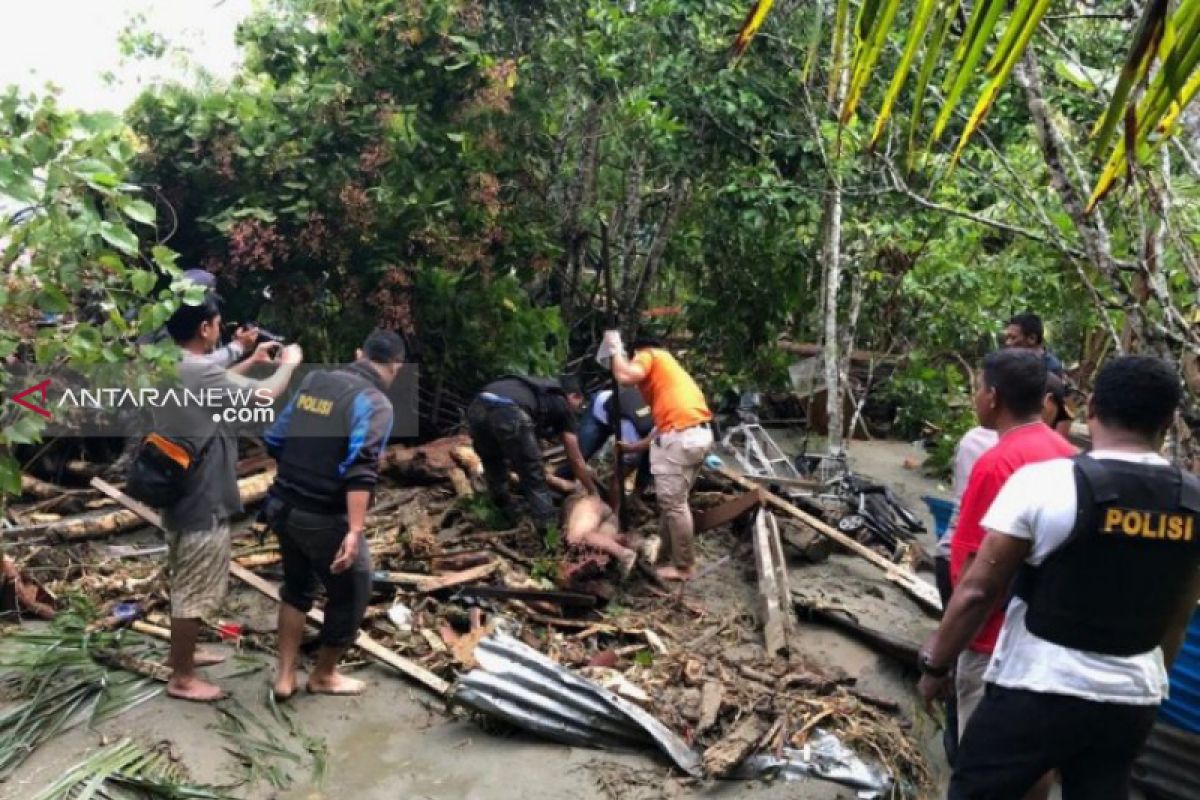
(1182, 709)
(825, 758)
(521, 686)
(1169, 765)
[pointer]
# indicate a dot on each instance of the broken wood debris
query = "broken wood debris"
(924, 593)
(643, 647)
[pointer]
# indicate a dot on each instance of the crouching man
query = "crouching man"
(327, 443)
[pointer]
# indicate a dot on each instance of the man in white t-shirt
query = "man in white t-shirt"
(1107, 546)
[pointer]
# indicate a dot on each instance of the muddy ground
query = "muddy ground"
(396, 741)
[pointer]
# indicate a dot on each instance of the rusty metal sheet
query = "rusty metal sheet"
(523, 687)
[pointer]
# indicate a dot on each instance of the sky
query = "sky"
(73, 43)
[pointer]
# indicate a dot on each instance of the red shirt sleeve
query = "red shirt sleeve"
(983, 486)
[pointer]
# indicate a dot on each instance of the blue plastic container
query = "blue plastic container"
(1183, 708)
(943, 512)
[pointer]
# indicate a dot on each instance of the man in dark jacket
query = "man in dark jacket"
(506, 421)
(327, 443)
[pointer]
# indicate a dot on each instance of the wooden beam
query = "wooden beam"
(362, 641)
(924, 593)
(774, 600)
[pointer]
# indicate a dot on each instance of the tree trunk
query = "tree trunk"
(831, 254)
(831, 261)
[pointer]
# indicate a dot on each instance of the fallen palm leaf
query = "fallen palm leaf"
(260, 751)
(58, 682)
(128, 771)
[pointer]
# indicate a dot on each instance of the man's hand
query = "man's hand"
(931, 688)
(347, 553)
(246, 336)
(264, 353)
(612, 341)
(292, 355)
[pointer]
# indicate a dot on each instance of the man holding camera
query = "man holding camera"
(197, 523)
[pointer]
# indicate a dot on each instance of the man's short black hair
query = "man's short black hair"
(184, 324)
(384, 347)
(646, 342)
(1019, 378)
(1030, 325)
(570, 383)
(1137, 393)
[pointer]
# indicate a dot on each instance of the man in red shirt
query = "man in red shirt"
(1009, 401)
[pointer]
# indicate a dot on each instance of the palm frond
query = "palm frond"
(874, 23)
(750, 26)
(1146, 37)
(916, 35)
(1021, 27)
(128, 771)
(260, 750)
(57, 682)
(976, 39)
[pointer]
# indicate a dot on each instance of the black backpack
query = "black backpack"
(160, 470)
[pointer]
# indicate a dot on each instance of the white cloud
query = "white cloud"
(73, 43)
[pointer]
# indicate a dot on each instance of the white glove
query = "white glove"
(610, 346)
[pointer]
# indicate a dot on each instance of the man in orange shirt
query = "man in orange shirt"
(683, 439)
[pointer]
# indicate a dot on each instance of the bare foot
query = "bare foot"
(670, 573)
(284, 687)
(336, 684)
(196, 690)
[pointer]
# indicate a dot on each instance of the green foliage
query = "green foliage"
(475, 330)
(929, 393)
(58, 681)
(79, 286)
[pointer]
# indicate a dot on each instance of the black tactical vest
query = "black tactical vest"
(1116, 583)
(633, 407)
(542, 390)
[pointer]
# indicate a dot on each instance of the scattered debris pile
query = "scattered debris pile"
(462, 597)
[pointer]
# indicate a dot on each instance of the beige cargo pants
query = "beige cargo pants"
(675, 461)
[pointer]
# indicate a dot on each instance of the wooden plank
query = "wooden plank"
(452, 579)
(924, 593)
(362, 641)
(782, 581)
(767, 604)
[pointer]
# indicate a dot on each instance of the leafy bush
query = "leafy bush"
(931, 395)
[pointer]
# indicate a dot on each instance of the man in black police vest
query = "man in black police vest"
(506, 421)
(328, 442)
(1105, 550)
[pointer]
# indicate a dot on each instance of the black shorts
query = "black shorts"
(1016, 736)
(308, 543)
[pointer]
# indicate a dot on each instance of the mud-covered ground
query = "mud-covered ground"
(396, 741)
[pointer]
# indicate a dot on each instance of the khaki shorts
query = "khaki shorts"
(198, 569)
